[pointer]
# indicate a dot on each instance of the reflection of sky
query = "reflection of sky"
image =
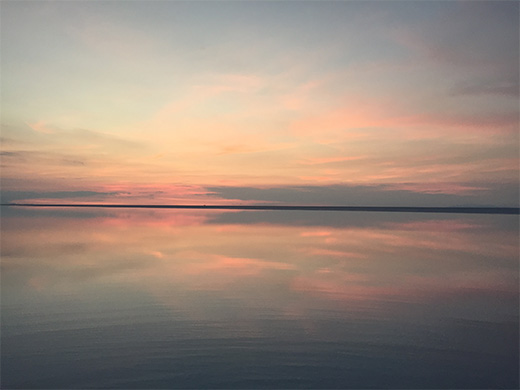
(368, 257)
(147, 298)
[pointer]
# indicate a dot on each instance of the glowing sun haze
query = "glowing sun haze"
(290, 102)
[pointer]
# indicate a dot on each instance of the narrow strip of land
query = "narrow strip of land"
(399, 209)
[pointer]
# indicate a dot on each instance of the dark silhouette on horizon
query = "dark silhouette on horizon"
(403, 209)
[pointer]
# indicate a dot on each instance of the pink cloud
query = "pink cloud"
(383, 120)
(488, 122)
(41, 127)
(317, 233)
(318, 179)
(329, 160)
(335, 253)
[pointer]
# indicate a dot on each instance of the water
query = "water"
(258, 299)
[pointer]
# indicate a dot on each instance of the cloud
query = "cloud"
(500, 88)
(83, 155)
(376, 119)
(14, 196)
(437, 188)
(329, 160)
(43, 135)
(397, 194)
(35, 157)
(491, 122)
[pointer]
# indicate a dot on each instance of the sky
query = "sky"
(331, 102)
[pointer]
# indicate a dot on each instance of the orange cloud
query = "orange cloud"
(328, 160)
(318, 233)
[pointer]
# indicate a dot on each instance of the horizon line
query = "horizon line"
(410, 209)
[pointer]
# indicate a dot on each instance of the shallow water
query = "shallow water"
(258, 299)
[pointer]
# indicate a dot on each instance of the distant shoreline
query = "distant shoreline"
(401, 209)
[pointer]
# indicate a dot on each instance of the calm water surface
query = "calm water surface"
(258, 299)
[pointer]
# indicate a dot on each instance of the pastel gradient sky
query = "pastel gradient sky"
(375, 103)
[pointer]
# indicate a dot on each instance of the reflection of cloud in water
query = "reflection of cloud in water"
(168, 284)
(361, 219)
(268, 259)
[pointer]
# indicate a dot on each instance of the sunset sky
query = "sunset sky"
(355, 103)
